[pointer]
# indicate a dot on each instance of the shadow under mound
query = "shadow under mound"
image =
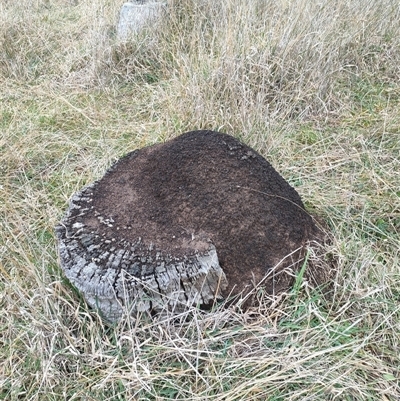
(187, 222)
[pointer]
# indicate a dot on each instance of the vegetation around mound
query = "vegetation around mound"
(312, 86)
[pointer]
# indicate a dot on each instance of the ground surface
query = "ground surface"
(311, 86)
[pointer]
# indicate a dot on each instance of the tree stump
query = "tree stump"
(186, 222)
(136, 15)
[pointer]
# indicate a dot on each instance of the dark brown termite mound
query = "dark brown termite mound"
(187, 222)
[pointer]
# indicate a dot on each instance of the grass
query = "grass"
(313, 86)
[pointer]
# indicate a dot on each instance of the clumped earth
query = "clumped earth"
(200, 218)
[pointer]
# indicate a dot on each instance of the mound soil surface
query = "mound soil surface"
(191, 220)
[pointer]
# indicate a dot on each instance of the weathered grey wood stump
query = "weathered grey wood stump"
(186, 222)
(136, 15)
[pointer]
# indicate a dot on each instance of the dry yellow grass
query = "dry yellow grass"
(313, 86)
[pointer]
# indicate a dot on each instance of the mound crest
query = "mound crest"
(194, 220)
